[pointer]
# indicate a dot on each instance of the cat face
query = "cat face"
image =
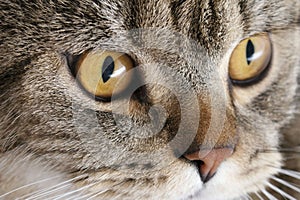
(147, 99)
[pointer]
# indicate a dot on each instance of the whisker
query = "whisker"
(279, 191)
(290, 173)
(285, 183)
(248, 197)
(259, 196)
(268, 195)
(244, 198)
(292, 157)
(79, 196)
(96, 195)
(286, 151)
(75, 191)
(28, 185)
(93, 195)
(50, 191)
(259, 189)
(44, 192)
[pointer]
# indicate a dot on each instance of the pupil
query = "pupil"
(249, 51)
(107, 68)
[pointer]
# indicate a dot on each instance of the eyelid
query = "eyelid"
(72, 61)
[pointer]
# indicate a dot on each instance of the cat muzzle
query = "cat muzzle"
(208, 161)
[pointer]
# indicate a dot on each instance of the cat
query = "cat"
(156, 99)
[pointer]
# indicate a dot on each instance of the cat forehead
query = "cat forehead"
(84, 24)
(206, 21)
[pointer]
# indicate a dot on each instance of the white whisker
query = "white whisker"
(290, 173)
(50, 191)
(268, 195)
(44, 192)
(259, 196)
(79, 196)
(279, 191)
(292, 157)
(75, 191)
(244, 198)
(28, 185)
(92, 195)
(285, 183)
(97, 194)
(247, 197)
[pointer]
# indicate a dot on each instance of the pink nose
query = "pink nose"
(209, 161)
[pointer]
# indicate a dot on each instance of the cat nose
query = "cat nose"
(209, 161)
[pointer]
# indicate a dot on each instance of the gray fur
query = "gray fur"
(47, 122)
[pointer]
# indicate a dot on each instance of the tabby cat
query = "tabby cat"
(149, 99)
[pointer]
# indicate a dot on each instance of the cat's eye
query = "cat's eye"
(99, 72)
(250, 58)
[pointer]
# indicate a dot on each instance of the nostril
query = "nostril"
(205, 170)
(200, 164)
(209, 161)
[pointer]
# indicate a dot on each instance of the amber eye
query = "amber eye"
(250, 58)
(99, 72)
